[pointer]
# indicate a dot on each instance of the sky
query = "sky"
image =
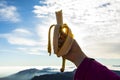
(24, 28)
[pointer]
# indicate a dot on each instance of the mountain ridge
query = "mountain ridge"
(44, 74)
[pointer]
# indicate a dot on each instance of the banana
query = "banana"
(62, 39)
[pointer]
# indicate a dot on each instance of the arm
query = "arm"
(87, 68)
(90, 69)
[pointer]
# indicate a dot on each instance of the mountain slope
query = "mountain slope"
(44, 74)
(58, 76)
(28, 74)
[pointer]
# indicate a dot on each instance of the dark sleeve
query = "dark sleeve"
(90, 69)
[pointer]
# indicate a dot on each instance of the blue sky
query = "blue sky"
(24, 27)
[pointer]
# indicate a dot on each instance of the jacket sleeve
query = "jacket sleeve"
(90, 69)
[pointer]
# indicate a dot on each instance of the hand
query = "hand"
(75, 54)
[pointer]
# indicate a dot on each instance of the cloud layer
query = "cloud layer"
(92, 22)
(8, 12)
(24, 42)
(95, 25)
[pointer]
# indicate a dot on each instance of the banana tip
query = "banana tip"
(62, 70)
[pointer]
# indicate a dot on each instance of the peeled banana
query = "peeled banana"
(62, 38)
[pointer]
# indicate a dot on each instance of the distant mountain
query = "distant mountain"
(117, 72)
(58, 76)
(116, 65)
(29, 74)
(44, 74)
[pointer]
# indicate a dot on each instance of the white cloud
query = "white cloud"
(24, 41)
(20, 30)
(92, 22)
(32, 50)
(42, 31)
(104, 50)
(21, 37)
(8, 12)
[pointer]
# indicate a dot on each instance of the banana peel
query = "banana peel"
(62, 38)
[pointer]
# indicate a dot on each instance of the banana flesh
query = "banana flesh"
(62, 41)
